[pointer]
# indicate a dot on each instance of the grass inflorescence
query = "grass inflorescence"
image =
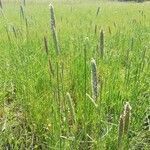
(70, 73)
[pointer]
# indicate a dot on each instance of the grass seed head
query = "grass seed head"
(53, 29)
(127, 115)
(71, 107)
(120, 131)
(53, 24)
(94, 80)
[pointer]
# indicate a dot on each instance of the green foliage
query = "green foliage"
(46, 98)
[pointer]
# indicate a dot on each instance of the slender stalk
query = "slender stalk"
(109, 29)
(92, 100)
(101, 44)
(49, 61)
(56, 43)
(132, 43)
(95, 30)
(22, 14)
(97, 12)
(46, 45)
(27, 29)
(85, 70)
(14, 31)
(9, 39)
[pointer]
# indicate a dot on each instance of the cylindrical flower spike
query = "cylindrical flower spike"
(120, 131)
(53, 24)
(127, 114)
(53, 29)
(70, 102)
(94, 80)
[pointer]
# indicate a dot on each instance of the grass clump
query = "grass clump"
(46, 54)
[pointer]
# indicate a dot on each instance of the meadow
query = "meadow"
(74, 75)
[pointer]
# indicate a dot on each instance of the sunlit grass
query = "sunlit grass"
(55, 110)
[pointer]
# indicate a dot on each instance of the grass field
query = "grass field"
(66, 86)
